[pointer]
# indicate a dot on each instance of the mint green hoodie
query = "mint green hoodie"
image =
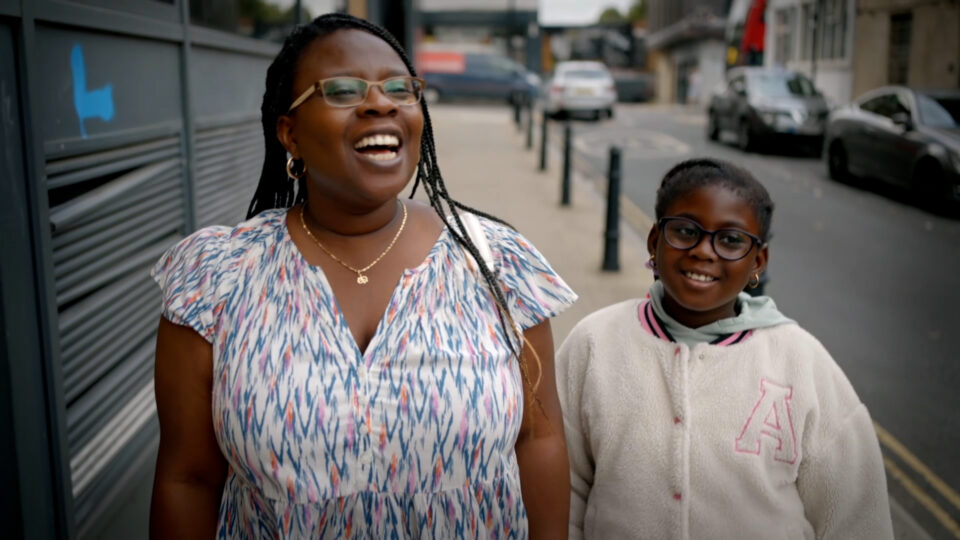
(752, 312)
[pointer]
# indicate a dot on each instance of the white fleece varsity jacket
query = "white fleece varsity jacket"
(760, 438)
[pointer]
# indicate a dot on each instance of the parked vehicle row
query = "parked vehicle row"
(576, 87)
(892, 134)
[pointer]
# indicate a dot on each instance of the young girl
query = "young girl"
(701, 412)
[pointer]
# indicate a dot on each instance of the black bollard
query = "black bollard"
(567, 144)
(611, 246)
(517, 105)
(543, 143)
(529, 126)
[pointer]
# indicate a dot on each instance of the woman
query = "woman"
(345, 362)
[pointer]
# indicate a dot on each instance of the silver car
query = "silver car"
(763, 105)
(580, 86)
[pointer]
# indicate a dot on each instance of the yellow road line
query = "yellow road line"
(914, 462)
(921, 496)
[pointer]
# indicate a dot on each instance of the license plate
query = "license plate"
(584, 91)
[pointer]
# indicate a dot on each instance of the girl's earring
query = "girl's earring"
(301, 169)
(754, 281)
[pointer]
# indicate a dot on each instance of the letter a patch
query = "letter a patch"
(772, 418)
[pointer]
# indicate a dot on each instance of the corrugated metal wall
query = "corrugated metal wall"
(147, 129)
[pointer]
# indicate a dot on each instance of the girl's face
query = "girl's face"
(699, 286)
(332, 140)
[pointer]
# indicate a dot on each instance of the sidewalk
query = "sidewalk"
(485, 165)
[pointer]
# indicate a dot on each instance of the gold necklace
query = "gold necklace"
(361, 279)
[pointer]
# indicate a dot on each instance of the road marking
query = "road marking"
(921, 496)
(639, 144)
(914, 462)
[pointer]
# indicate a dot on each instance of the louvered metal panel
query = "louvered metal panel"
(103, 167)
(228, 163)
(161, 194)
(117, 210)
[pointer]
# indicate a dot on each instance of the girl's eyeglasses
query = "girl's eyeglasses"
(729, 244)
(351, 91)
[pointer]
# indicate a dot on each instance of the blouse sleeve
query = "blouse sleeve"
(534, 292)
(188, 275)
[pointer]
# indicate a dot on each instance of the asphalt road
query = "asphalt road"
(872, 276)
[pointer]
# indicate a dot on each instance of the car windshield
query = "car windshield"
(585, 74)
(781, 85)
(939, 111)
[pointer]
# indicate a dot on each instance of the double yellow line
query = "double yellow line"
(951, 496)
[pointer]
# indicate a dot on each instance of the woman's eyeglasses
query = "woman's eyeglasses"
(729, 244)
(351, 91)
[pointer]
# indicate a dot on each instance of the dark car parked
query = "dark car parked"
(764, 104)
(472, 75)
(902, 136)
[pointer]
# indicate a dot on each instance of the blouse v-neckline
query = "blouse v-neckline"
(342, 326)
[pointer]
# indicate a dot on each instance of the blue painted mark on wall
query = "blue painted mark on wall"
(89, 103)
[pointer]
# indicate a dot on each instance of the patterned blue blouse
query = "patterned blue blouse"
(413, 438)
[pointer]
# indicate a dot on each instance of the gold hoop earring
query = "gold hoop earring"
(291, 162)
(754, 281)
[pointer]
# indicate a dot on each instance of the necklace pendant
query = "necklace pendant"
(362, 279)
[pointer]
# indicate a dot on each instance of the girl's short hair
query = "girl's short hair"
(692, 174)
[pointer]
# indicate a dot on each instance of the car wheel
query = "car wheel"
(744, 136)
(837, 162)
(431, 95)
(713, 129)
(930, 181)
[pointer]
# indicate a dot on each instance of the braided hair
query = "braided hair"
(692, 174)
(277, 190)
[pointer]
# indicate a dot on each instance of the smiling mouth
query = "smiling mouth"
(702, 278)
(378, 147)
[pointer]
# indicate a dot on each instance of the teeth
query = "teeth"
(382, 156)
(377, 140)
(699, 277)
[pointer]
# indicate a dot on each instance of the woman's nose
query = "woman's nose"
(377, 103)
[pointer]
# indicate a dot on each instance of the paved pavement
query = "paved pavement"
(485, 165)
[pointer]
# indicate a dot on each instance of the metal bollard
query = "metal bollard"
(529, 126)
(543, 143)
(611, 235)
(567, 144)
(517, 105)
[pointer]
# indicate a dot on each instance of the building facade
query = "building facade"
(126, 125)
(688, 49)
(851, 46)
(912, 42)
(815, 37)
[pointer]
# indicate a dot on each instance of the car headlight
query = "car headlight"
(772, 116)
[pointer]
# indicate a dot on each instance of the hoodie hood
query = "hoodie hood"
(753, 312)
